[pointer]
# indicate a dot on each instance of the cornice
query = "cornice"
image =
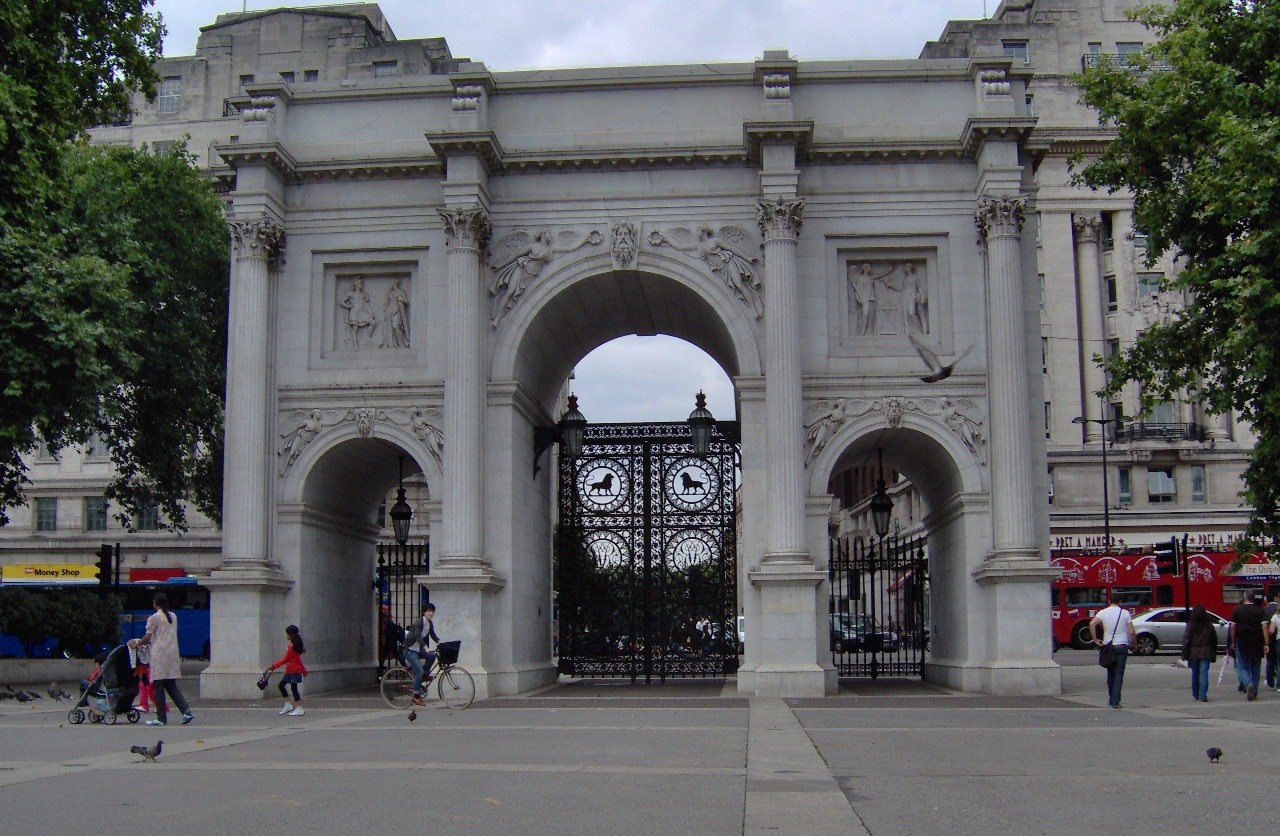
(271, 154)
(872, 152)
(613, 159)
(483, 144)
(797, 132)
(980, 129)
(1061, 142)
(384, 169)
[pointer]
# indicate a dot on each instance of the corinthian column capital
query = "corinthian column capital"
(781, 219)
(260, 238)
(1000, 216)
(466, 228)
(1086, 227)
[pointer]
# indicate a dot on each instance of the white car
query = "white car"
(1162, 628)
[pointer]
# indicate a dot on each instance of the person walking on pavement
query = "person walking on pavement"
(294, 670)
(1250, 642)
(166, 665)
(417, 653)
(1114, 625)
(1200, 650)
(1268, 613)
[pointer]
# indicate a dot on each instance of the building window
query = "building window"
(1161, 486)
(1051, 485)
(1095, 47)
(310, 75)
(1113, 301)
(162, 147)
(246, 79)
(1107, 232)
(1113, 347)
(169, 97)
(1197, 483)
(385, 69)
(1040, 278)
(1017, 50)
(1047, 414)
(287, 77)
(1126, 485)
(148, 518)
(95, 513)
(1031, 111)
(382, 515)
(42, 450)
(46, 513)
(1117, 414)
(94, 448)
(1044, 355)
(1149, 284)
(1162, 413)
(1127, 50)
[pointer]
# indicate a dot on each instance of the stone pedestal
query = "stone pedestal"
(246, 608)
(787, 663)
(466, 612)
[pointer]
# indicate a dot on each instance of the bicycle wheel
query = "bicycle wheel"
(397, 687)
(456, 687)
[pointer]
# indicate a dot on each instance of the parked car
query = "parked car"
(1162, 628)
(859, 633)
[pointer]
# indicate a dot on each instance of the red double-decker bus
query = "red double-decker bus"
(1129, 578)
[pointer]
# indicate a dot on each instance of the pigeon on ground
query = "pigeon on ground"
(937, 371)
(22, 696)
(1214, 753)
(413, 715)
(56, 692)
(149, 753)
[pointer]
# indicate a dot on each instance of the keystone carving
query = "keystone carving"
(307, 424)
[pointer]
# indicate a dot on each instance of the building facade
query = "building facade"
(423, 249)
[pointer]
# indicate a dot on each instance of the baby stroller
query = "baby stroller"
(111, 692)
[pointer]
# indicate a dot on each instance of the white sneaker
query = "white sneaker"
(297, 712)
(287, 708)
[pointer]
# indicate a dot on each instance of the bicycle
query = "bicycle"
(454, 683)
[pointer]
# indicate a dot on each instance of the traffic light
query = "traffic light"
(1167, 562)
(106, 564)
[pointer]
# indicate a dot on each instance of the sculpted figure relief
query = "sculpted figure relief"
(725, 250)
(832, 415)
(309, 426)
(517, 260)
(425, 424)
(888, 298)
(395, 318)
(358, 315)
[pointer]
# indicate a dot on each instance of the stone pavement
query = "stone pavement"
(585, 758)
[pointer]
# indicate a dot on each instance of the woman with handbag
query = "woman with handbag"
(1200, 650)
(1113, 621)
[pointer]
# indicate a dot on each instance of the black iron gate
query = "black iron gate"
(646, 554)
(399, 596)
(878, 620)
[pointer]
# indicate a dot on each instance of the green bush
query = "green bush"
(78, 619)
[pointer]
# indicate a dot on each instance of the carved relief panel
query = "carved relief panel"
(367, 306)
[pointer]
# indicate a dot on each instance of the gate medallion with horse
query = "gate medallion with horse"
(645, 554)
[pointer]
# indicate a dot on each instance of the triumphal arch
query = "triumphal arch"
(420, 262)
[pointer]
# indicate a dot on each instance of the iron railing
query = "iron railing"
(1147, 431)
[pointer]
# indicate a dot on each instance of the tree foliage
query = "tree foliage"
(78, 620)
(1197, 144)
(112, 264)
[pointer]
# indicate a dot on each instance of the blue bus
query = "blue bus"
(187, 599)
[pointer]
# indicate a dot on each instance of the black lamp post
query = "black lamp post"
(569, 433)
(701, 423)
(401, 513)
(881, 503)
(1106, 498)
(881, 511)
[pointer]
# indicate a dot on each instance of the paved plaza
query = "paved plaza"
(892, 757)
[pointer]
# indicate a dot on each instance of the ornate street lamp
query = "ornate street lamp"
(881, 503)
(569, 433)
(401, 513)
(701, 422)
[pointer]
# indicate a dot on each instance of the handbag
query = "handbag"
(1108, 656)
(264, 680)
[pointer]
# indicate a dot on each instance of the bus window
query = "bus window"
(1164, 595)
(1087, 596)
(1054, 597)
(1131, 596)
(1233, 593)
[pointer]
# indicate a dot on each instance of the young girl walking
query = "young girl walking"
(294, 670)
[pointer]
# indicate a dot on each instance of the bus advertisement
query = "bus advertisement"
(1089, 582)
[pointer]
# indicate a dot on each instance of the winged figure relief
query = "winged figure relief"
(518, 259)
(727, 251)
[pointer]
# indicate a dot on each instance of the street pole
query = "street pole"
(1106, 498)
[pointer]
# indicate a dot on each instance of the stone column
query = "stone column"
(1092, 332)
(247, 455)
(780, 222)
(462, 547)
(1013, 492)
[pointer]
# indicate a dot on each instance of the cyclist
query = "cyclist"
(417, 653)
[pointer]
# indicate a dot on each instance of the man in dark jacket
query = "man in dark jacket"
(417, 652)
(1249, 642)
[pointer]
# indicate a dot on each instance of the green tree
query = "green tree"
(1197, 144)
(112, 270)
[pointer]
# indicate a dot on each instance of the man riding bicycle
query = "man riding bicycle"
(417, 653)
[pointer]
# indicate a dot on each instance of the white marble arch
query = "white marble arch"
(325, 536)
(724, 327)
(954, 487)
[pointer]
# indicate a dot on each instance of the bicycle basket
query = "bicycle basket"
(448, 652)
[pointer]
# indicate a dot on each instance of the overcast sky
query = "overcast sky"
(637, 378)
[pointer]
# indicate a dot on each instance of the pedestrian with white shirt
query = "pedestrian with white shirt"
(1114, 626)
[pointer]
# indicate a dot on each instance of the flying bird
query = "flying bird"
(149, 753)
(937, 371)
(1214, 753)
(413, 715)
